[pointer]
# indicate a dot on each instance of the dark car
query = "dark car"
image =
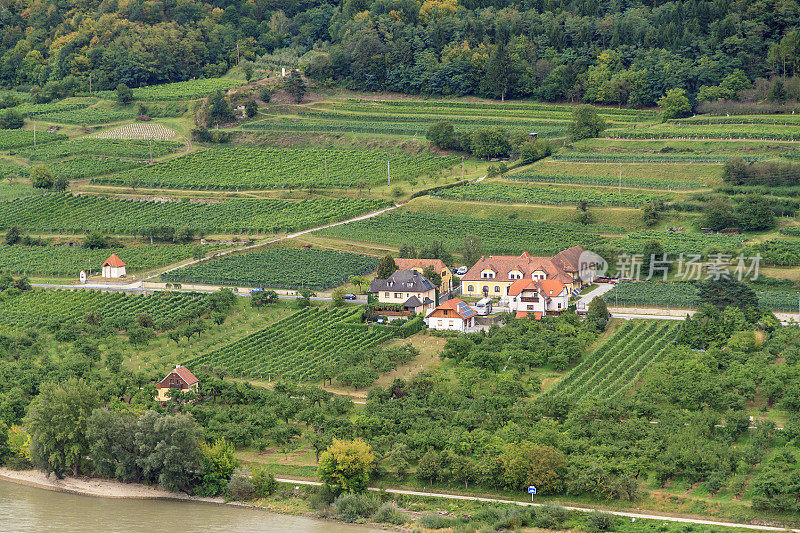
(349, 296)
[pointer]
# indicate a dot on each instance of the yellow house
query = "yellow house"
(408, 288)
(493, 276)
(419, 266)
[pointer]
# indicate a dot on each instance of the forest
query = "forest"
(628, 53)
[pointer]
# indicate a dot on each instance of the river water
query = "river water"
(30, 509)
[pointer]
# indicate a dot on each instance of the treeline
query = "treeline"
(739, 172)
(603, 52)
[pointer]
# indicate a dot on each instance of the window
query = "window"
(497, 288)
(530, 308)
(559, 306)
(514, 275)
(398, 295)
(451, 324)
(470, 288)
(488, 275)
(171, 381)
(387, 294)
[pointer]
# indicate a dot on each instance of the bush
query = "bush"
(349, 507)
(435, 521)
(389, 513)
(264, 484)
(601, 521)
(321, 499)
(11, 120)
(265, 94)
(550, 516)
(241, 487)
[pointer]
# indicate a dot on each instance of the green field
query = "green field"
(282, 268)
(751, 130)
(64, 213)
(615, 366)
(69, 260)
(498, 236)
(675, 243)
(605, 181)
(295, 347)
(277, 168)
(38, 308)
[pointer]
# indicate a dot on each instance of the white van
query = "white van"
(484, 307)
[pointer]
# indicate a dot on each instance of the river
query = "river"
(29, 509)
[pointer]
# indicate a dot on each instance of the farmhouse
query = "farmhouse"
(454, 315)
(114, 267)
(419, 266)
(494, 275)
(411, 289)
(538, 297)
(178, 378)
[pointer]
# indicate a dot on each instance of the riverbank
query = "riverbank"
(103, 488)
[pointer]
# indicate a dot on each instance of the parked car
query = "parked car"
(462, 270)
(349, 296)
(253, 291)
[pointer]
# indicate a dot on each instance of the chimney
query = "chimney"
(177, 367)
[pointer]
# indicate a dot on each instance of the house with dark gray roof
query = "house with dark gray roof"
(408, 288)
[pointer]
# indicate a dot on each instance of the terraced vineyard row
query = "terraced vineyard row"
(405, 105)
(607, 181)
(294, 347)
(616, 365)
(356, 124)
(675, 243)
(64, 213)
(37, 308)
(282, 268)
(90, 115)
(85, 167)
(269, 168)
(599, 157)
(132, 149)
(717, 131)
(182, 90)
(498, 236)
(70, 260)
(10, 139)
(532, 194)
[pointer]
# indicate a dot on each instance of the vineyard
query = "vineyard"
(509, 193)
(104, 147)
(91, 115)
(285, 268)
(682, 294)
(675, 243)
(69, 260)
(605, 181)
(85, 167)
(616, 365)
(268, 168)
(67, 104)
(295, 347)
(684, 130)
(498, 236)
(599, 157)
(64, 213)
(10, 139)
(37, 308)
(182, 90)
(138, 130)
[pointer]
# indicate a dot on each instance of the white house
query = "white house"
(540, 297)
(407, 287)
(114, 267)
(454, 315)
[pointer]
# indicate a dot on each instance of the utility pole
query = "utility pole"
(90, 84)
(620, 178)
(462, 167)
(326, 167)
(151, 151)
(34, 130)
(388, 174)
(237, 53)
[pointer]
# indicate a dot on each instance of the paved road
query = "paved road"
(585, 299)
(568, 507)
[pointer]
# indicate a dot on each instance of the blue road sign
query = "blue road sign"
(532, 489)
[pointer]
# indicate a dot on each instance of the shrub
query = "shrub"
(241, 487)
(550, 516)
(349, 507)
(598, 521)
(435, 521)
(11, 120)
(389, 513)
(264, 484)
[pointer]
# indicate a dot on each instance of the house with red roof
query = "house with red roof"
(492, 276)
(538, 297)
(454, 314)
(114, 267)
(180, 378)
